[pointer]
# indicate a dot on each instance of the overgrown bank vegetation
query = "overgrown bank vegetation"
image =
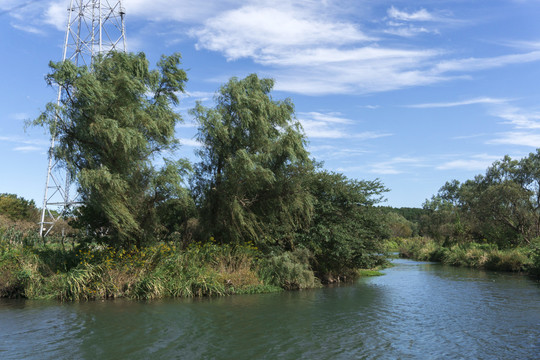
(255, 213)
(524, 259)
(491, 221)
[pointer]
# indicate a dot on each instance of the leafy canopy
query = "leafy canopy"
(112, 121)
(247, 181)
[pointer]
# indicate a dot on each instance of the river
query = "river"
(417, 310)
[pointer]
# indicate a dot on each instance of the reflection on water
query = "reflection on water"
(418, 310)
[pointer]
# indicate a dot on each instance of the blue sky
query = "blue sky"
(413, 93)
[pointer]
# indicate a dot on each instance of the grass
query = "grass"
(30, 269)
(474, 255)
(369, 272)
(74, 271)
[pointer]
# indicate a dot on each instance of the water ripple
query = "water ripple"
(416, 311)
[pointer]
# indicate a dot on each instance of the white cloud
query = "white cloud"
(186, 125)
(197, 95)
(21, 140)
(28, 28)
(355, 71)
(473, 163)
(525, 127)
(189, 142)
(420, 15)
(408, 31)
(57, 15)
(480, 100)
(178, 10)
(395, 166)
(333, 152)
(519, 138)
(521, 44)
(264, 32)
(476, 64)
(27, 149)
(309, 47)
(332, 126)
(327, 118)
(519, 118)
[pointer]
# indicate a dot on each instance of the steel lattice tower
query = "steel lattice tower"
(93, 27)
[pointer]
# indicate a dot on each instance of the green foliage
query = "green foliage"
(289, 270)
(500, 207)
(483, 256)
(368, 273)
(346, 230)
(248, 183)
(535, 257)
(113, 120)
(93, 271)
(18, 208)
(261, 215)
(398, 225)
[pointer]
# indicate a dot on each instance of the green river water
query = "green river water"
(416, 311)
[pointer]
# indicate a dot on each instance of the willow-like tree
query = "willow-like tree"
(249, 181)
(112, 121)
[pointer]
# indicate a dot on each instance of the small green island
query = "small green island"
(255, 214)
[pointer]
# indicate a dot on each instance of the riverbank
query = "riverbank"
(417, 310)
(86, 272)
(525, 259)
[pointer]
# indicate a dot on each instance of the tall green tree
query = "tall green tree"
(502, 206)
(248, 183)
(346, 229)
(113, 120)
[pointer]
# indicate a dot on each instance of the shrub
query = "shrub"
(289, 270)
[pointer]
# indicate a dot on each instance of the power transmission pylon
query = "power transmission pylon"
(94, 27)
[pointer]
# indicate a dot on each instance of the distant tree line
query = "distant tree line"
(500, 207)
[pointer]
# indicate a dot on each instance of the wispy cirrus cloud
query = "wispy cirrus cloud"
(477, 162)
(473, 101)
(406, 30)
(309, 47)
(519, 118)
(414, 23)
(419, 15)
(22, 140)
(26, 149)
(524, 123)
(395, 166)
(477, 64)
(26, 144)
(519, 138)
(333, 126)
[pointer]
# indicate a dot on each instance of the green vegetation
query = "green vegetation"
(251, 182)
(491, 221)
(254, 214)
(483, 256)
(369, 272)
(161, 270)
(111, 124)
(258, 214)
